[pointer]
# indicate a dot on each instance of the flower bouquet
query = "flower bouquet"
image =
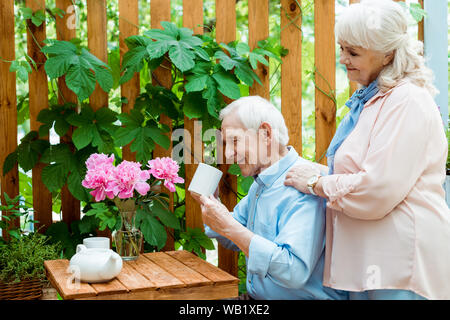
(131, 190)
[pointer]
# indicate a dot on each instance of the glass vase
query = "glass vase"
(128, 239)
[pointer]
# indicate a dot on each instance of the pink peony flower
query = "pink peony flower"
(167, 169)
(100, 169)
(98, 159)
(128, 177)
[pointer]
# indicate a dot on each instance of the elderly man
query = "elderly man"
(280, 230)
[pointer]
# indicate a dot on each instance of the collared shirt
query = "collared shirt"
(388, 226)
(286, 254)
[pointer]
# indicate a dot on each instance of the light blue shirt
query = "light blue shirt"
(286, 254)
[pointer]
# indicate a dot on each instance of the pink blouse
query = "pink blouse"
(388, 225)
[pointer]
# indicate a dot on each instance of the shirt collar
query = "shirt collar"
(272, 173)
(385, 93)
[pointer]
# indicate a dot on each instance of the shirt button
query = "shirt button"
(249, 281)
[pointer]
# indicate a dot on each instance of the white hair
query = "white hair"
(253, 111)
(382, 26)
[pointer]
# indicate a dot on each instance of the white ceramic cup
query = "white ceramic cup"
(96, 242)
(205, 180)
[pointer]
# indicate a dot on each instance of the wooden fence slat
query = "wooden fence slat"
(353, 84)
(8, 103)
(325, 77)
(226, 32)
(128, 26)
(160, 11)
(258, 29)
(192, 17)
(420, 33)
(98, 45)
(291, 71)
(66, 30)
(38, 84)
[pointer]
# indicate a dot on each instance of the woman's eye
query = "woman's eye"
(353, 54)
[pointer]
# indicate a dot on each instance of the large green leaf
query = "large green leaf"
(76, 189)
(82, 69)
(157, 49)
(29, 150)
(182, 57)
(196, 82)
(153, 231)
(124, 136)
(157, 136)
(133, 61)
(194, 106)
(213, 98)
(165, 216)
(80, 80)
(227, 84)
(83, 136)
(54, 176)
(56, 117)
(94, 127)
(225, 61)
(143, 145)
(9, 163)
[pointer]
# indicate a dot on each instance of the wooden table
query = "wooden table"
(171, 275)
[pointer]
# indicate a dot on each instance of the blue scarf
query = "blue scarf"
(356, 104)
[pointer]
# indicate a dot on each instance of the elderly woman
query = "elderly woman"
(388, 226)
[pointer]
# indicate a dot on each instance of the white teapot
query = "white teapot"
(95, 264)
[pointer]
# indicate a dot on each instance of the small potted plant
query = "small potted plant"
(132, 196)
(22, 272)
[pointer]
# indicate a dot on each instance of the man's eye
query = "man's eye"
(353, 54)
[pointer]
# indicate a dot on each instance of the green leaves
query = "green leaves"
(55, 117)
(416, 11)
(182, 48)
(179, 42)
(94, 128)
(82, 69)
(22, 68)
(195, 240)
(199, 63)
(107, 218)
(27, 153)
(142, 133)
(37, 18)
(151, 217)
(64, 166)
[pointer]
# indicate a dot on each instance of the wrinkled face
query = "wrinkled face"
(363, 65)
(241, 145)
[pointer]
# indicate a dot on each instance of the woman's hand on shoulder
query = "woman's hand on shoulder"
(299, 175)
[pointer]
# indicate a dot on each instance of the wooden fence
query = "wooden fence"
(258, 28)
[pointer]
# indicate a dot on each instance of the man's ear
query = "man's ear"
(266, 130)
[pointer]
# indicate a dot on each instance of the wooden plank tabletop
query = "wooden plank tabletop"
(178, 275)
